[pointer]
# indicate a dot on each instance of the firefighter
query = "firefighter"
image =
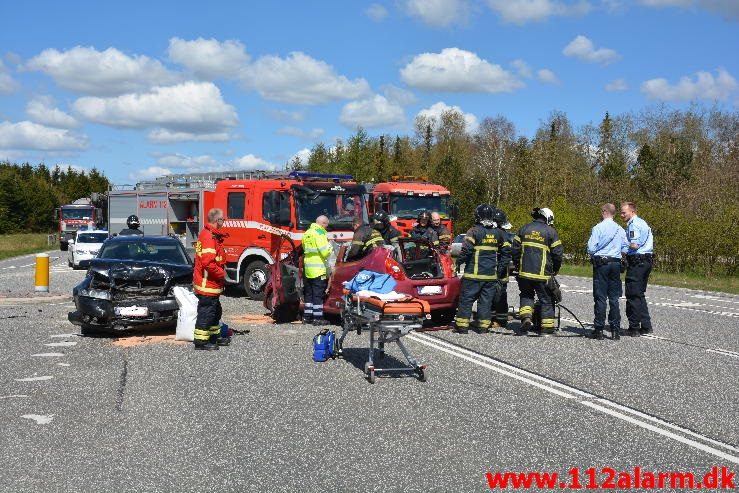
(500, 303)
(445, 236)
(423, 229)
(316, 252)
(486, 254)
(366, 237)
(381, 222)
(537, 255)
(133, 226)
(208, 281)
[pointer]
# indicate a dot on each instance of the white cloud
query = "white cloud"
(523, 11)
(13, 58)
(438, 13)
(183, 161)
(376, 12)
(371, 113)
(583, 49)
(285, 116)
(107, 73)
(191, 107)
(149, 173)
(456, 70)
(41, 110)
(32, 136)
(546, 75)
(313, 134)
(210, 58)
(251, 162)
(435, 111)
(398, 95)
(703, 86)
(728, 9)
(8, 85)
(522, 68)
(301, 79)
(164, 136)
(303, 155)
(617, 85)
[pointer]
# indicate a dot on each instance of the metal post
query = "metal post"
(42, 273)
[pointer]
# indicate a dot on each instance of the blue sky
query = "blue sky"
(138, 89)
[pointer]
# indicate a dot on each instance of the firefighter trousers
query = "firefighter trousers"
(531, 289)
(207, 326)
(483, 292)
(314, 292)
(500, 304)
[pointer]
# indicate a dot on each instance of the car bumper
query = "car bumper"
(101, 312)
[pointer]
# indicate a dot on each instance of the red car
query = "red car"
(418, 269)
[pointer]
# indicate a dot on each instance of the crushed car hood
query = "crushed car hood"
(140, 277)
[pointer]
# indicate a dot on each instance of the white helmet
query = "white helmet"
(545, 213)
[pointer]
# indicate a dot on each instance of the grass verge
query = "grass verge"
(724, 284)
(22, 244)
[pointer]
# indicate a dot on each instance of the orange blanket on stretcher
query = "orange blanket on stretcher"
(408, 306)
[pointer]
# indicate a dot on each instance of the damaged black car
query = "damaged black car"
(131, 283)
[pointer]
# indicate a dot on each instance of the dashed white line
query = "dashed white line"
(61, 344)
(40, 419)
(14, 396)
(71, 334)
(47, 355)
(34, 379)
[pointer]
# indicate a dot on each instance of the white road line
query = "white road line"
(64, 364)
(65, 335)
(40, 419)
(48, 355)
(592, 401)
(13, 396)
(724, 352)
(34, 379)
(61, 344)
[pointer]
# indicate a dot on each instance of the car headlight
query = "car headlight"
(95, 293)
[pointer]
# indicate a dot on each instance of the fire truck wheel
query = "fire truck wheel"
(256, 276)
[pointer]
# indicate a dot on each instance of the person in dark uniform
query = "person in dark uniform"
(638, 247)
(500, 302)
(423, 229)
(445, 236)
(537, 252)
(366, 237)
(133, 226)
(486, 254)
(381, 222)
(604, 248)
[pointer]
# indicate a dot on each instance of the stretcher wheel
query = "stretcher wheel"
(371, 375)
(421, 372)
(335, 350)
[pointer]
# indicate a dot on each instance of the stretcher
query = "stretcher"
(386, 322)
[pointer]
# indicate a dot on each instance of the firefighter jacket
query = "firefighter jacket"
(485, 253)
(445, 236)
(508, 236)
(130, 231)
(390, 235)
(365, 239)
(316, 251)
(537, 251)
(426, 233)
(208, 277)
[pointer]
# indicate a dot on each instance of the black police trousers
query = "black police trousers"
(529, 289)
(607, 286)
(209, 316)
(637, 276)
(314, 291)
(483, 292)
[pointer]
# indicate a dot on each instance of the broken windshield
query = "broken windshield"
(409, 206)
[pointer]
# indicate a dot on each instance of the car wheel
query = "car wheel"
(88, 330)
(69, 263)
(256, 276)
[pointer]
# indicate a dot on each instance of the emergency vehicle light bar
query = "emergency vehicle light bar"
(303, 175)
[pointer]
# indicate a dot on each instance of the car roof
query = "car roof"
(135, 238)
(85, 231)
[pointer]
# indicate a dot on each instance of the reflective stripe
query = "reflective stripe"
(505, 243)
(555, 244)
(484, 324)
(462, 322)
(477, 261)
(470, 239)
(205, 279)
(481, 277)
(208, 290)
(535, 245)
(485, 247)
(547, 323)
(208, 250)
(215, 330)
(311, 250)
(374, 240)
(526, 311)
(219, 258)
(357, 242)
(535, 277)
(201, 334)
(311, 264)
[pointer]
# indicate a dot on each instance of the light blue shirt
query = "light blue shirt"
(639, 232)
(606, 239)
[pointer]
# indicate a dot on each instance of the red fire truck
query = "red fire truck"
(82, 213)
(406, 196)
(259, 211)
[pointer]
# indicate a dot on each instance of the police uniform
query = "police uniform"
(639, 262)
(485, 253)
(208, 282)
(426, 233)
(365, 239)
(604, 248)
(316, 252)
(537, 252)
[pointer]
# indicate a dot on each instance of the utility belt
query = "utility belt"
(600, 261)
(638, 258)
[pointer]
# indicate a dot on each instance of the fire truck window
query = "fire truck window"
(236, 201)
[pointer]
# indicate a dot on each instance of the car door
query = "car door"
(345, 271)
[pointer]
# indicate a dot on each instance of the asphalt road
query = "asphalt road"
(83, 414)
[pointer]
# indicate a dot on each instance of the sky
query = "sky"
(142, 89)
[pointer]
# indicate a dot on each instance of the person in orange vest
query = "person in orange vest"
(208, 280)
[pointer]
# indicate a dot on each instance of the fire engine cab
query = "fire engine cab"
(258, 212)
(406, 196)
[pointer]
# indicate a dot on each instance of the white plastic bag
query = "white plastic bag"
(188, 303)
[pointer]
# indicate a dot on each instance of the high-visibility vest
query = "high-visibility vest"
(316, 251)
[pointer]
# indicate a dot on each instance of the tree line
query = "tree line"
(681, 168)
(29, 194)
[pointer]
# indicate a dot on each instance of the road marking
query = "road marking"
(61, 344)
(724, 352)
(64, 364)
(49, 355)
(13, 396)
(40, 419)
(34, 379)
(66, 335)
(591, 400)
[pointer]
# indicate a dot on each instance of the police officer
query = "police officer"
(537, 252)
(366, 237)
(381, 222)
(638, 248)
(423, 229)
(486, 254)
(316, 252)
(133, 226)
(604, 248)
(208, 281)
(442, 232)
(500, 302)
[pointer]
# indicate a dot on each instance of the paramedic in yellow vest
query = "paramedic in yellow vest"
(316, 251)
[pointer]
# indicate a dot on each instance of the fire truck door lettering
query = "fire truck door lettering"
(152, 204)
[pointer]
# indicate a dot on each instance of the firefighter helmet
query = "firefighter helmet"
(424, 215)
(133, 221)
(501, 220)
(484, 214)
(544, 213)
(382, 217)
